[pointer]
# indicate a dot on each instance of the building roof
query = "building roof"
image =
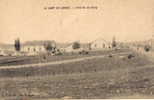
(100, 39)
(63, 45)
(37, 43)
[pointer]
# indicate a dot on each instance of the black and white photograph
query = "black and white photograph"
(76, 49)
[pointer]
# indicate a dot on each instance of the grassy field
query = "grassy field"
(21, 60)
(108, 77)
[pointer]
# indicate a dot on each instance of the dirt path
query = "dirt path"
(57, 62)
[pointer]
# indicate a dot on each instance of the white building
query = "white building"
(34, 47)
(7, 49)
(100, 44)
(69, 48)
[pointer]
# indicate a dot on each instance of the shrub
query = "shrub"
(147, 48)
(83, 52)
(110, 56)
(130, 56)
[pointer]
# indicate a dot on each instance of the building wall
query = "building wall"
(100, 44)
(69, 49)
(33, 49)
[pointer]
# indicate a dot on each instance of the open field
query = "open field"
(77, 65)
(21, 60)
(107, 77)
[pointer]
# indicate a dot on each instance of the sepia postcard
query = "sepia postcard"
(76, 49)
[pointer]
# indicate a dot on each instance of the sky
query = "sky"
(127, 20)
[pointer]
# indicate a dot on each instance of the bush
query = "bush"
(83, 52)
(110, 55)
(147, 48)
(130, 56)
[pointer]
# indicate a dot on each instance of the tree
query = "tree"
(76, 45)
(114, 44)
(147, 48)
(17, 44)
(50, 46)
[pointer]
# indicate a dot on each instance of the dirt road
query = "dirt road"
(58, 62)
